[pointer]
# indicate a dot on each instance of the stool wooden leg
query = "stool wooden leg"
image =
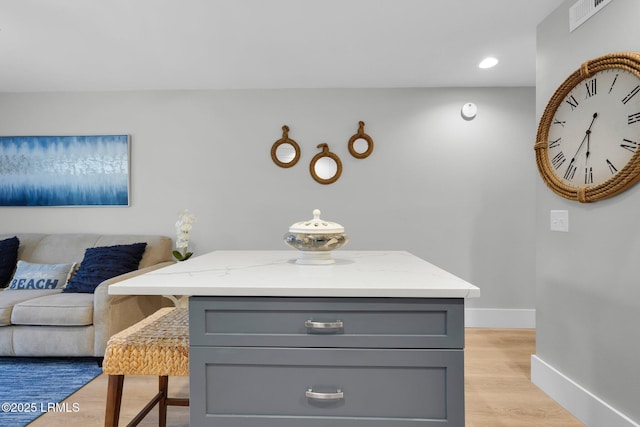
(163, 389)
(114, 398)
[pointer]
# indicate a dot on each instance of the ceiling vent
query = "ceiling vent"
(583, 10)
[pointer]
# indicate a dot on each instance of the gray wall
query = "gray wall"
(588, 291)
(457, 193)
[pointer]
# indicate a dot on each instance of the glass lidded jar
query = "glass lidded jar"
(315, 239)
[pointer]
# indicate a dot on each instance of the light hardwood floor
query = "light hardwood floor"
(498, 390)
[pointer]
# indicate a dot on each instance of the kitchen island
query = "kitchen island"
(374, 340)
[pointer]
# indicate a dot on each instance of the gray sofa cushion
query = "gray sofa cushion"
(62, 309)
(55, 248)
(8, 298)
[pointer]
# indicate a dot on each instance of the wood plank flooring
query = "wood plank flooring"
(498, 390)
(498, 387)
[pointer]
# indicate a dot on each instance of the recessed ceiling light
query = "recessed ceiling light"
(488, 62)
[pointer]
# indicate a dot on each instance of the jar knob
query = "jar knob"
(316, 214)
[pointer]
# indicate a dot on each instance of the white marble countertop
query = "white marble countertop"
(396, 274)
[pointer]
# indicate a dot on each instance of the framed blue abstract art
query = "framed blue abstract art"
(89, 170)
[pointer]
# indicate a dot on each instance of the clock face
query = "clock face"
(595, 130)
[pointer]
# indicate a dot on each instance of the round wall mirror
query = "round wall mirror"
(360, 144)
(325, 167)
(285, 152)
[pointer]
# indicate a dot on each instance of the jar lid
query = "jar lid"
(316, 226)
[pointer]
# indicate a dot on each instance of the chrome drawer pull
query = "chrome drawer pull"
(339, 394)
(338, 324)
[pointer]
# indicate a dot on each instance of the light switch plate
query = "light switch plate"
(560, 221)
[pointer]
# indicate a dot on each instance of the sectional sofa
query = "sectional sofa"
(39, 317)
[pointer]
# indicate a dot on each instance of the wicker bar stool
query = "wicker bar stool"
(157, 345)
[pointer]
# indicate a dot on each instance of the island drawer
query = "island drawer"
(327, 322)
(285, 387)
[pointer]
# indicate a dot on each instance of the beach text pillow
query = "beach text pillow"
(40, 276)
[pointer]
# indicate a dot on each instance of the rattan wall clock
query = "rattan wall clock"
(588, 137)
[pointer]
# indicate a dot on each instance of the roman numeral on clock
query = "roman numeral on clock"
(633, 118)
(591, 88)
(631, 94)
(558, 160)
(588, 175)
(627, 144)
(572, 102)
(614, 82)
(570, 172)
(612, 168)
(555, 143)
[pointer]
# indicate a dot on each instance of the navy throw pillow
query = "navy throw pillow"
(102, 263)
(8, 259)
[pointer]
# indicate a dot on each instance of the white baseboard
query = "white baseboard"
(584, 405)
(499, 318)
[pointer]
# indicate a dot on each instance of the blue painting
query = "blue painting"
(90, 170)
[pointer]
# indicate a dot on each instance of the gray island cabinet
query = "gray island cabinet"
(374, 340)
(334, 362)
